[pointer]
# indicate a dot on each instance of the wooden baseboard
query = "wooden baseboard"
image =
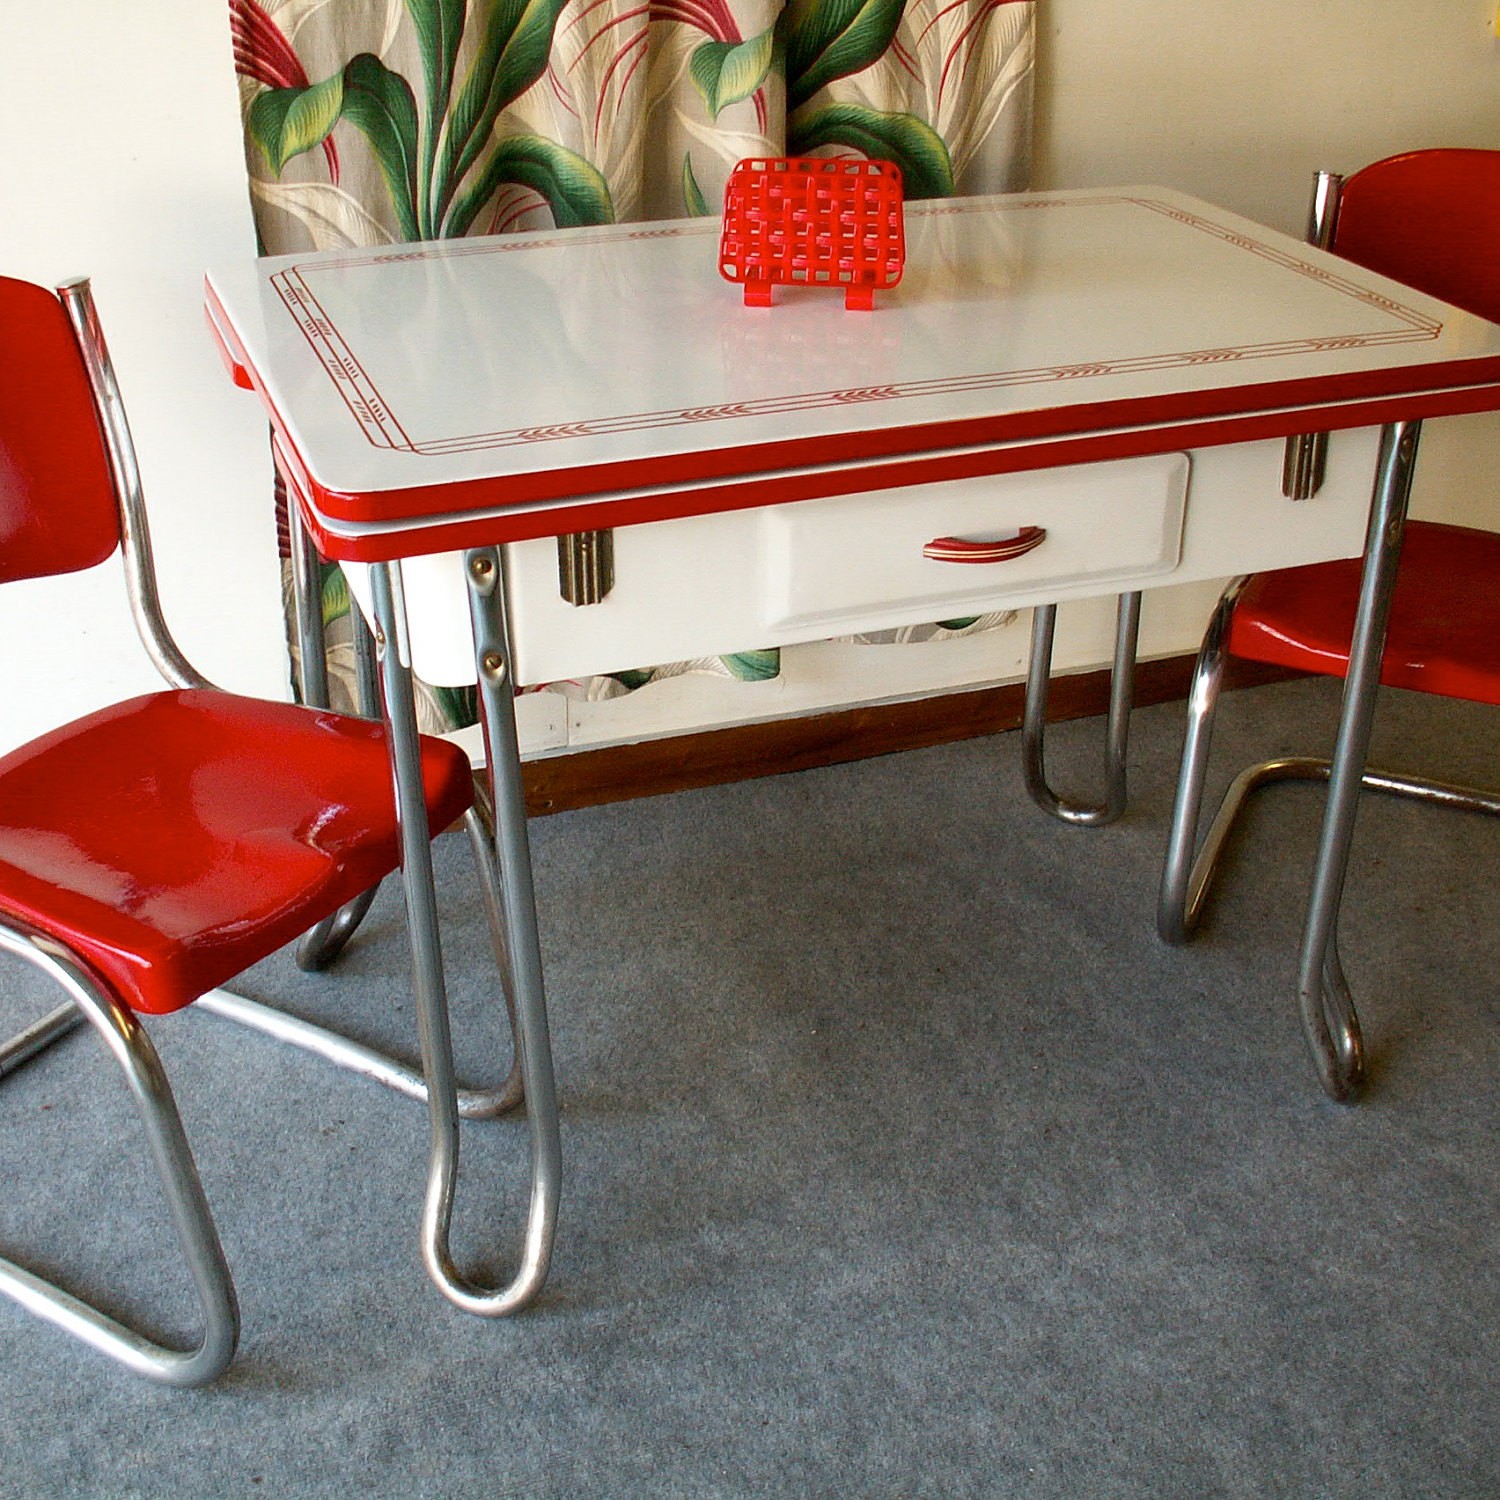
(677, 763)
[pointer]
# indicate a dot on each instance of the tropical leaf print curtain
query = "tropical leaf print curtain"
(374, 121)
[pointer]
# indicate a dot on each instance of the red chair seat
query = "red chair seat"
(175, 839)
(1444, 633)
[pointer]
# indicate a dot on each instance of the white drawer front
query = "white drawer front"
(836, 563)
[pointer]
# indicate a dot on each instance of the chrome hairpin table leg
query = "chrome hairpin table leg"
(1328, 1015)
(1117, 732)
(518, 922)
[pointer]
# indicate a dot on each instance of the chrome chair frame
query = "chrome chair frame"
(506, 888)
(128, 1043)
(1329, 1019)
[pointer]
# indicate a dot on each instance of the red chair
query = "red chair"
(1430, 219)
(155, 849)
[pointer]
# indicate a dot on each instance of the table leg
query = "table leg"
(1117, 733)
(519, 923)
(319, 947)
(1328, 1015)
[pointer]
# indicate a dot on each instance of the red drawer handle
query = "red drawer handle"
(958, 549)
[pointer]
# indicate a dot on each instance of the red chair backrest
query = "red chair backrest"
(57, 501)
(1430, 219)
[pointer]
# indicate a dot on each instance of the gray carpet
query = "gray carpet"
(902, 1160)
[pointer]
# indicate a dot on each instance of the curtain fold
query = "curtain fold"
(370, 122)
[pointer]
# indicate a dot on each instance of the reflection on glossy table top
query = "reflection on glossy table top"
(606, 358)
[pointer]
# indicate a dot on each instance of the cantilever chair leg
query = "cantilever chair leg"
(324, 942)
(1184, 879)
(321, 945)
(1188, 878)
(1117, 734)
(131, 1048)
(1329, 1019)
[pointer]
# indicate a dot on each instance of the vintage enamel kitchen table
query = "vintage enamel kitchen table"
(1116, 371)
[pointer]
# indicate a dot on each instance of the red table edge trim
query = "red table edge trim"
(454, 531)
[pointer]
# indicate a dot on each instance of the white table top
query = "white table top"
(600, 376)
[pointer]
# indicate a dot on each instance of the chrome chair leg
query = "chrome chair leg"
(320, 945)
(355, 1057)
(1185, 879)
(512, 880)
(1117, 734)
(1326, 1004)
(40, 1035)
(131, 1048)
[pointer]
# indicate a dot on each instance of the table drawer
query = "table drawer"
(935, 551)
(713, 584)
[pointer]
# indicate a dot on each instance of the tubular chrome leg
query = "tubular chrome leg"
(356, 1057)
(1184, 896)
(1034, 721)
(1328, 1015)
(481, 833)
(1306, 458)
(1184, 881)
(437, 1044)
(132, 1050)
(40, 1035)
(511, 905)
(320, 945)
(366, 669)
(307, 590)
(323, 943)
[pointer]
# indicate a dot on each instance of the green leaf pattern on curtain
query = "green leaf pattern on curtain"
(374, 121)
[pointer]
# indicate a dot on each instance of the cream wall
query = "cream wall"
(122, 160)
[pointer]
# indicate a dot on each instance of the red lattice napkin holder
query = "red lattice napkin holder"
(807, 221)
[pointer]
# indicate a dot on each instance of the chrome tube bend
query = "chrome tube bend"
(511, 879)
(130, 1046)
(1184, 879)
(1117, 732)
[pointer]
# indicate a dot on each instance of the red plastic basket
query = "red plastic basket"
(808, 221)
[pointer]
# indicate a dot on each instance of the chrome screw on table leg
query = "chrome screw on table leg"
(432, 1007)
(1117, 734)
(1328, 1015)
